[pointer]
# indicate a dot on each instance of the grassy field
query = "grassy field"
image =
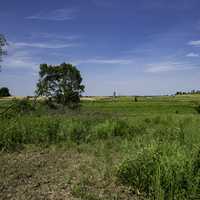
(109, 149)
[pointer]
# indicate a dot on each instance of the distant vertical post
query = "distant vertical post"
(114, 94)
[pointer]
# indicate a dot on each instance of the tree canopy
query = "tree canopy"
(61, 83)
(4, 92)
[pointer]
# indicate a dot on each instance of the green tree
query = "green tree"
(60, 83)
(4, 92)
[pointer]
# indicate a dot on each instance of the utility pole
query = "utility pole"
(114, 94)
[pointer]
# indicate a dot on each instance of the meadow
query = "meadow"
(111, 148)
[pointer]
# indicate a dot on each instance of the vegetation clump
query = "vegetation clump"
(61, 84)
(198, 109)
(152, 151)
(136, 99)
(4, 92)
(162, 172)
(23, 105)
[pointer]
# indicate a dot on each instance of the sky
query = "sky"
(133, 47)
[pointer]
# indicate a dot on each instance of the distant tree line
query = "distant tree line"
(190, 92)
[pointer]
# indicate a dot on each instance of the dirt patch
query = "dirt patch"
(57, 174)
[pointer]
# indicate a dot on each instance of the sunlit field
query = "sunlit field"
(111, 148)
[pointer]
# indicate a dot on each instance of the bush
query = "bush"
(17, 107)
(136, 99)
(22, 105)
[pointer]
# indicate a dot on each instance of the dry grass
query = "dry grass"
(57, 174)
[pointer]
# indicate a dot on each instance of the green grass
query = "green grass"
(145, 105)
(109, 149)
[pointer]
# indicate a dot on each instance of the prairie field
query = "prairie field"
(111, 148)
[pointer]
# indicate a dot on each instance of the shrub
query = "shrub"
(136, 99)
(17, 107)
(22, 105)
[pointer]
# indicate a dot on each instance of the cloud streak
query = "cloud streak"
(107, 61)
(168, 67)
(192, 55)
(20, 59)
(42, 45)
(195, 43)
(56, 36)
(55, 15)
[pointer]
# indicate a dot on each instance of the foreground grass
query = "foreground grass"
(108, 150)
(60, 173)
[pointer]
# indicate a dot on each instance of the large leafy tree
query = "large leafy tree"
(4, 92)
(61, 83)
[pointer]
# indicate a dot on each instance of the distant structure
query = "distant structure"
(114, 94)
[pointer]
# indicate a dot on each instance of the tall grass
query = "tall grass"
(158, 155)
(162, 172)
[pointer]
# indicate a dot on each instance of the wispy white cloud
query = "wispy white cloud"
(55, 15)
(138, 51)
(169, 66)
(106, 61)
(192, 54)
(195, 43)
(42, 45)
(56, 36)
(19, 59)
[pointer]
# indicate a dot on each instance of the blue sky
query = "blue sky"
(136, 47)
